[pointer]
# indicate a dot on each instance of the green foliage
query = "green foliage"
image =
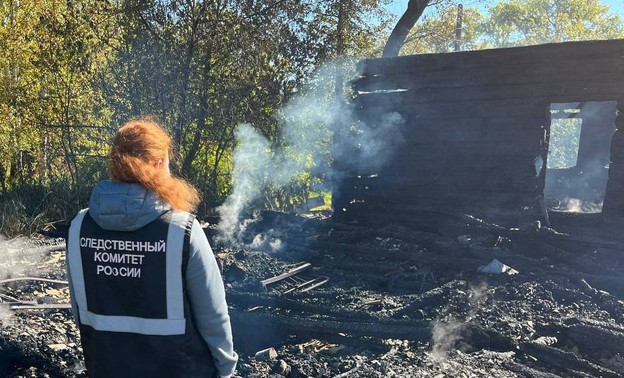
(565, 135)
(510, 23)
(437, 34)
(527, 22)
(71, 72)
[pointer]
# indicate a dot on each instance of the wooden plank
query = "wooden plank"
(454, 173)
(619, 120)
(562, 92)
(450, 205)
(466, 145)
(41, 306)
(409, 180)
(474, 163)
(408, 183)
(433, 189)
(49, 280)
(468, 131)
(497, 124)
(529, 110)
(430, 189)
(466, 152)
(552, 52)
(405, 170)
(414, 181)
(617, 146)
(508, 218)
(409, 177)
(285, 275)
(467, 141)
(423, 179)
(616, 172)
(445, 202)
(359, 210)
(614, 200)
(615, 183)
(590, 70)
(497, 128)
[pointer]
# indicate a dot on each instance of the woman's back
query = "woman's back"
(146, 290)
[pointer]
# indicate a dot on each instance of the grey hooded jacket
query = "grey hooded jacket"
(119, 206)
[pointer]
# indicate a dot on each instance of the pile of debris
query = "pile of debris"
(309, 297)
(38, 336)
(466, 299)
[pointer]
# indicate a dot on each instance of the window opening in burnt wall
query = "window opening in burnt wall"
(579, 155)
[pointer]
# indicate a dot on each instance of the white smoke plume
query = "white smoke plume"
(18, 257)
(447, 333)
(320, 137)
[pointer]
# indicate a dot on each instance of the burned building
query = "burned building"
(502, 134)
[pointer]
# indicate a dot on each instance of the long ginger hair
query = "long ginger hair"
(137, 149)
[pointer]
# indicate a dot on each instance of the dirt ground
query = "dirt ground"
(399, 301)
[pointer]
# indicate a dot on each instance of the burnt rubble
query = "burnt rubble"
(399, 302)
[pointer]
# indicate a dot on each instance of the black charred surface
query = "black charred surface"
(401, 301)
(561, 316)
(474, 124)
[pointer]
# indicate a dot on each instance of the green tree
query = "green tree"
(50, 54)
(528, 22)
(73, 71)
(436, 34)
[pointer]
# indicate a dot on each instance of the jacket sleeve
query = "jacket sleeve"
(72, 295)
(72, 298)
(207, 299)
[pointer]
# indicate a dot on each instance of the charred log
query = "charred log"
(417, 331)
(567, 361)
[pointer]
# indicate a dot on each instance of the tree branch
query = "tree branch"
(415, 9)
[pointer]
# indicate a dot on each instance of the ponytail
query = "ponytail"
(137, 148)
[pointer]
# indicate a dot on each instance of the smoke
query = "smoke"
(579, 156)
(7, 317)
(251, 158)
(320, 141)
(19, 256)
(266, 242)
(576, 205)
(446, 334)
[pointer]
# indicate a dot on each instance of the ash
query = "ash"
(399, 302)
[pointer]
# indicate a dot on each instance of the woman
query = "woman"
(146, 291)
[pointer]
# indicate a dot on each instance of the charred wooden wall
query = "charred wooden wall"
(474, 124)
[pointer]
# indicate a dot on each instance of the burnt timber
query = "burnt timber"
(474, 125)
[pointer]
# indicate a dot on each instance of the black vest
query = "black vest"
(135, 318)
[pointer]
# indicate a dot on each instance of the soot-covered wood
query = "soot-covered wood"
(473, 126)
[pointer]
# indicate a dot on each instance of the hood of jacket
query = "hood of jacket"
(121, 206)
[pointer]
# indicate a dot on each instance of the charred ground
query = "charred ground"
(400, 301)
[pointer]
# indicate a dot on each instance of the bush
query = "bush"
(29, 208)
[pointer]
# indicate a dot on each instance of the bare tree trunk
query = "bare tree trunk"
(415, 9)
(186, 73)
(196, 21)
(201, 119)
(222, 146)
(3, 179)
(344, 7)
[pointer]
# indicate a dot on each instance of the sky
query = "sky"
(398, 6)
